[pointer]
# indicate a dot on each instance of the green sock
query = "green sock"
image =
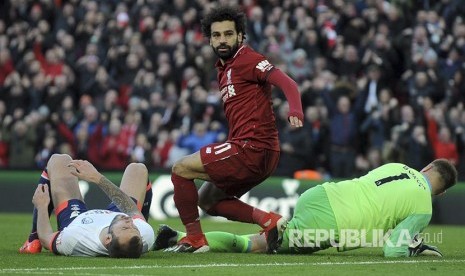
(225, 242)
(180, 236)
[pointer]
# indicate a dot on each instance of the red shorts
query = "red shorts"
(237, 167)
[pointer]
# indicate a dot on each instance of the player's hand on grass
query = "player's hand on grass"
(84, 170)
(41, 197)
(418, 248)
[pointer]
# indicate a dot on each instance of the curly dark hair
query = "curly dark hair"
(447, 171)
(223, 13)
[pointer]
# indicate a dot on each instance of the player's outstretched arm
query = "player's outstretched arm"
(291, 91)
(86, 171)
(399, 242)
(41, 199)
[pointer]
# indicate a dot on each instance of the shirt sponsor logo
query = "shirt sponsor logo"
(264, 65)
(74, 214)
(98, 212)
(228, 92)
(87, 221)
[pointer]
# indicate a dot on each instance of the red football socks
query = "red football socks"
(261, 218)
(186, 200)
(233, 209)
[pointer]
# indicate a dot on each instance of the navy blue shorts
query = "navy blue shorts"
(67, 211)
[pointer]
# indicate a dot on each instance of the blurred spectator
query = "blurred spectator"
(114, 150)
(372, 160)
(451, 64)
(175, 152)
(141, 150)
(418, 150)
(56, 93)
(441, 137)
(130, 127)
(145, 84)
(455, 88)
(154, 127)
(369, 96)
(318, 131)
(199, 137)
(343, 134)
(6, 65)
(52, 63)
(37, 90)
(255, 26)
(110, 102)
(419, 47)
(45, 152)
(350, 66)
(296, 146)
(87, 67)
(375, 129)
(21, 137)
(420, 87)
(299, 66)
(15, 93)
(309, 41)
(351, 26)
(381, 54)
(88, 134)
(401, 132)
(271, 46)
(161, 149)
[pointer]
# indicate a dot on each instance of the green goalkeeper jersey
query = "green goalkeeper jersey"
(392, 201)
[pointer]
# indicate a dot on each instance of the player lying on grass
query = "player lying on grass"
(388, 207)
(120, 231)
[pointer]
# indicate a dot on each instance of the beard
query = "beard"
(226, 52)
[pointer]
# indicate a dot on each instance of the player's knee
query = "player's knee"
(57, 158)
(178, 168)
(138, 168)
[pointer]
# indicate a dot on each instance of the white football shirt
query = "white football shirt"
(82, 236)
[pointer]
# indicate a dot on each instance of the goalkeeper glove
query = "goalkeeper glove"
(418, 247)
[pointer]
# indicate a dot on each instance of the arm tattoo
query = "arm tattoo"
(121, 200)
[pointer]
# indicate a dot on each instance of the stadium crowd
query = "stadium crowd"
(115, 82)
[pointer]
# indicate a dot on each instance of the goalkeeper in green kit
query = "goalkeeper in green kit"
(388, 207)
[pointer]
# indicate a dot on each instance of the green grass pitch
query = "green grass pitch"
(367, 261)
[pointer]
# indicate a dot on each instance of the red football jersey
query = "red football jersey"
(247, 99)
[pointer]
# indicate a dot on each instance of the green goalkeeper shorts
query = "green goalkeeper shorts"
(313, 226)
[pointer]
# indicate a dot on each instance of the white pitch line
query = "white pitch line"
(42, 269)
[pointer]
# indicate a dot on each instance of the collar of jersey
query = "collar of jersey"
(427, 181)
(238, 52)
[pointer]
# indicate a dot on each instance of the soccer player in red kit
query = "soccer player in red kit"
(251, 152)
